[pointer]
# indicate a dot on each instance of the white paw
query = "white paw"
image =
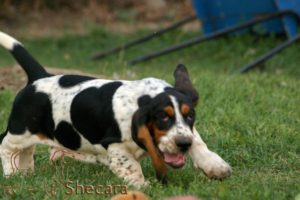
(214, 166)
(136, 181)
(55, 154)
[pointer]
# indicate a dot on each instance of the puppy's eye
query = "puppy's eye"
(163, 116)
(166, 118)
(189, 118)
(191, 115)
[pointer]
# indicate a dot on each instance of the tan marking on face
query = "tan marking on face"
(42, 136)
(185, 109)
(170, 111)
(157, 161)
(157, 133)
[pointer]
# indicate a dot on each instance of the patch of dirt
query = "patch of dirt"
(119, 16)
(14, 77)
(32, 19)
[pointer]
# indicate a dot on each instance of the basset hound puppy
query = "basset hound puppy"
(112, 122)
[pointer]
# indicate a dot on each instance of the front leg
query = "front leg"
(124, 165)
(210, 162)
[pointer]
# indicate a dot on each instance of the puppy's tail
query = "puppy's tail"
(32, 68)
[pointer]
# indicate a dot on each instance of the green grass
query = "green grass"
(251, 120)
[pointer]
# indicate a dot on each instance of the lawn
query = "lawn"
(251, 120)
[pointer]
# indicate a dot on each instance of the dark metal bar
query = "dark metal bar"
(269, 54)
(143, 39)
(211, 36)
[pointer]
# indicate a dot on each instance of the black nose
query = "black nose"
(183, 143)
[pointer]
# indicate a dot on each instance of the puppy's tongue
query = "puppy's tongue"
(175, 160)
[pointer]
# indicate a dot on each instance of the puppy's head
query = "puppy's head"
(163, 124)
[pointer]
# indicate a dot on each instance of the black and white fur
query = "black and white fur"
(112, 122)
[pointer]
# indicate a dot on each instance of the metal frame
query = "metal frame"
(200, 39)
(143, 39)
(270, 54)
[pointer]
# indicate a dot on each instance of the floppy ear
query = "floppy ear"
(183, 83)
(141, 135)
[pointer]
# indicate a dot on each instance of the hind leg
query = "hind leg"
(8, 159)
(26, 161)
(57, 153)
(99, 157)
(17, 153)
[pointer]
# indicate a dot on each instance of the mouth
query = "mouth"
(175, 160)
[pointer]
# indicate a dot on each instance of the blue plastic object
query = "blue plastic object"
(289, 23)
(218, 14)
